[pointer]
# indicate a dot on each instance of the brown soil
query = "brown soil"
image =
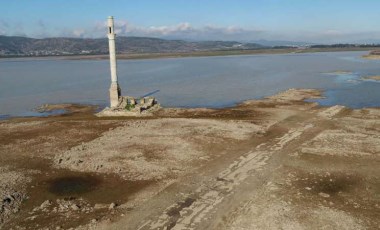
(372, 57)
(276, 163)
(376, 78)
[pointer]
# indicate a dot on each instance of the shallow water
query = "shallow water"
(189, 82)
(73, 185)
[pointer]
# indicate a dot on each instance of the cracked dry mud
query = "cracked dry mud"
(276, 163)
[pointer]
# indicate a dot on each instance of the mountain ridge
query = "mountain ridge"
(24, 46)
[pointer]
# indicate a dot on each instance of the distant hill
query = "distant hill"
(23, 46)
(282, 43)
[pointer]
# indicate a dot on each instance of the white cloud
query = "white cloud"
(211, 32)
(124, 28)
(79, 32)
(332, 33)
(3, 27)
(185, 30)
(179, 31)
(167, 30)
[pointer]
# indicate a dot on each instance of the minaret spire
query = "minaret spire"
(114, 89)
(126, 105)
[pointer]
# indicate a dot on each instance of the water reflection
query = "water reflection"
(188, 82)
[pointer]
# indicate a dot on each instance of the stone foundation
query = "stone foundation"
(130, 107)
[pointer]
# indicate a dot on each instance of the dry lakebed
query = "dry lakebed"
(275, 163)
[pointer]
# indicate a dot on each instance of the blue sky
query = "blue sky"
(327, 21)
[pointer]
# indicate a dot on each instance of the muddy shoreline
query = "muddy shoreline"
(281, 159)
(137, 56)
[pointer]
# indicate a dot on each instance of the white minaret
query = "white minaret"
(114, 89)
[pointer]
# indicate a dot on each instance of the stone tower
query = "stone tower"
(114, 89)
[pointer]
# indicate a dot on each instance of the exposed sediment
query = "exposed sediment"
(373, 55)
(275, 163)
(152, 149)
(12, 192)
(375, 78)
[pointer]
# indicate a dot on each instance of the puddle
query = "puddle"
(63, 187)
(44, 114)
(344, 77)
(332, 184)
(4, 117)
(174, 212)
(34, 114)
(95, 188)
(73, 185)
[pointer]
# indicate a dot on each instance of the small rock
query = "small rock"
(94, 221)
(75, 207)
(112, 206)
(325, 195)
(308, 188)
(100, 206)
(45, 204)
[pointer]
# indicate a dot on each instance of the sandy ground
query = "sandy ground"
(276, 163)
(375, 78)
(371, 57)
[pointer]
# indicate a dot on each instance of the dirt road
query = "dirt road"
(277, 163)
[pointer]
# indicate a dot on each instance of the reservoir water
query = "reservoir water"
(188, 82)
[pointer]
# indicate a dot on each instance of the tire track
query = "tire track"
(196, 207)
